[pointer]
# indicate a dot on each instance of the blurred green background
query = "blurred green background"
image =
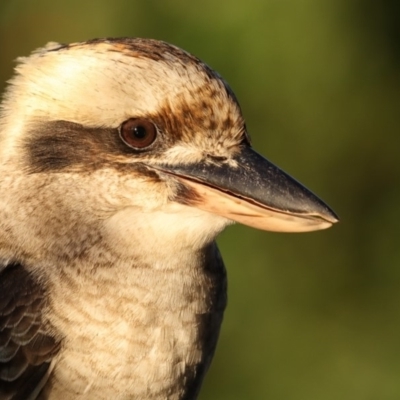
(310, 316)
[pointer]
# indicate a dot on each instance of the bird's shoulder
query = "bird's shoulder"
(26, 345)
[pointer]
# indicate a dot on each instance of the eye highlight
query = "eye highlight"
(138, 133)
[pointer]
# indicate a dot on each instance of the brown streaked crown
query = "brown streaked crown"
(93, 87)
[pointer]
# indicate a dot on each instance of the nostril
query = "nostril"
(217, 158)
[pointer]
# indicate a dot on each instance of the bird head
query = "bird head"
(139, 134)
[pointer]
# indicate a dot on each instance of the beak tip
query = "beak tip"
(328, 214)
(333, 218)
(314, 209)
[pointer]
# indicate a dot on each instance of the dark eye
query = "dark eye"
(138, 132)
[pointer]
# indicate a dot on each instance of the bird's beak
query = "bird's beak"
(251, 190)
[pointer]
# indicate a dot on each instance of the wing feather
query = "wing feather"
(26, 346)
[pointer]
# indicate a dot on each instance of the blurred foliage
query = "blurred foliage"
(313, 316)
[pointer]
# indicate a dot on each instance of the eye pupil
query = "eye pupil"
(138, 133)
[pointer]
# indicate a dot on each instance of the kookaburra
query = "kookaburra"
(120, 162)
